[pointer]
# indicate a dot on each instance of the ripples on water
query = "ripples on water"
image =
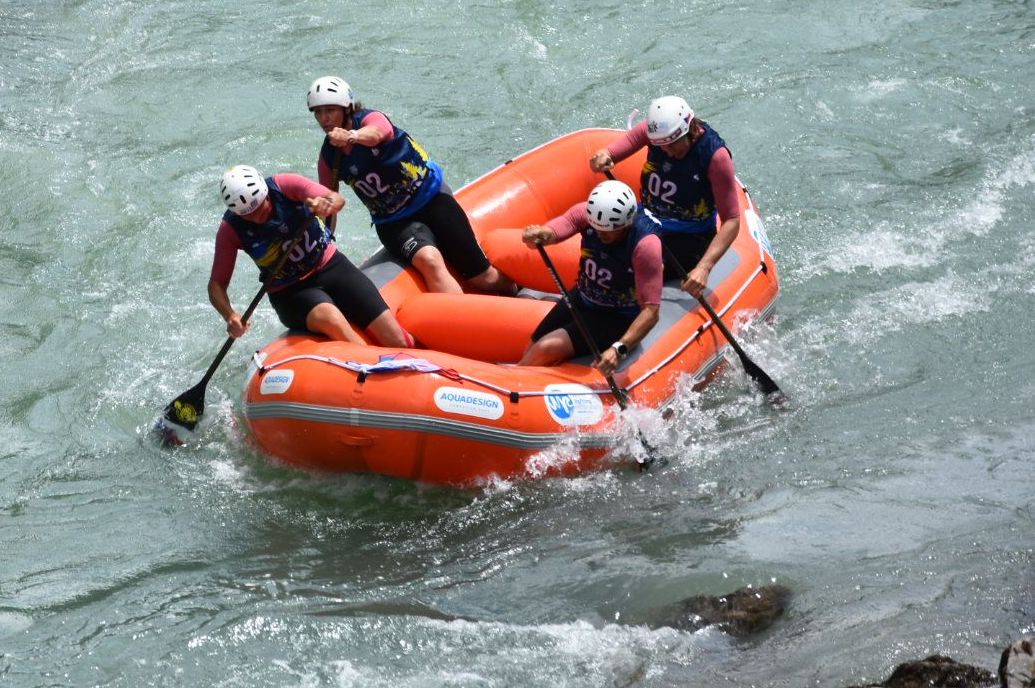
(892, 152)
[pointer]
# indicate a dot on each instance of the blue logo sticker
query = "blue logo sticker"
(560, 405)
(573, 404)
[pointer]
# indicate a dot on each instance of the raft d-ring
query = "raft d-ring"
(357, 395)
(356, 440)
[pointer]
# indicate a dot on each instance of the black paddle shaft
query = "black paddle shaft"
(618, 392)
(186, 410)
(764, 382)
(244, 318)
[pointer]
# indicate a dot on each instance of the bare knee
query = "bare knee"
(388, 332)
(552, 349)
(321, 316)
(326, 319)
(494, 280)
(429, 262)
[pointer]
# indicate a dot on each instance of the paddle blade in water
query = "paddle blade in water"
(773, 394)
(170, 434)
(181, 416)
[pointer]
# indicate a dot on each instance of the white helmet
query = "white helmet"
(611, 206)
(668, 119)
(243, 189)
(329, 90)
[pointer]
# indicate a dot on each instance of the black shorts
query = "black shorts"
(687, 249)
(339, 282)
(605, 327)
(441, 223)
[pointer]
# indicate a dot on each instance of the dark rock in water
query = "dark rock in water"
(936, 671)
(1017, 665)
(1016, 670)
(751, 610)
(740, 613)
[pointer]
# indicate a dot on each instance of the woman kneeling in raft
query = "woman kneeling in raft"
(618, 290)
(412, 208)
(317, 288)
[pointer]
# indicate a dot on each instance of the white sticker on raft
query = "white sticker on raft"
(469, 403)
(277, 381)
(572, 404)
(757, 229)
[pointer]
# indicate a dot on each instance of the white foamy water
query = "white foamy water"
(891, 150)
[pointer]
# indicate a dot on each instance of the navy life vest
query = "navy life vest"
(393, 180)
(678, 191)
(606, 279)
(265, 243)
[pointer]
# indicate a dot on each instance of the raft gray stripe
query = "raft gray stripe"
(385, 420)
(359, 418)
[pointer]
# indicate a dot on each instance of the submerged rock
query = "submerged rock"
(741, 613)
(750, 610)
(1016, 670)
(936, 671)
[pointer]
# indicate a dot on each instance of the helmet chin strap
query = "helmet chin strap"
(631, 119)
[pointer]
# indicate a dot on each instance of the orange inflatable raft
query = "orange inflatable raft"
(458, 411)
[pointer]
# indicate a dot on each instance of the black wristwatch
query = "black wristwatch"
(621, 349)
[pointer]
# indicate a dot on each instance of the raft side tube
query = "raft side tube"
(495, 329)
